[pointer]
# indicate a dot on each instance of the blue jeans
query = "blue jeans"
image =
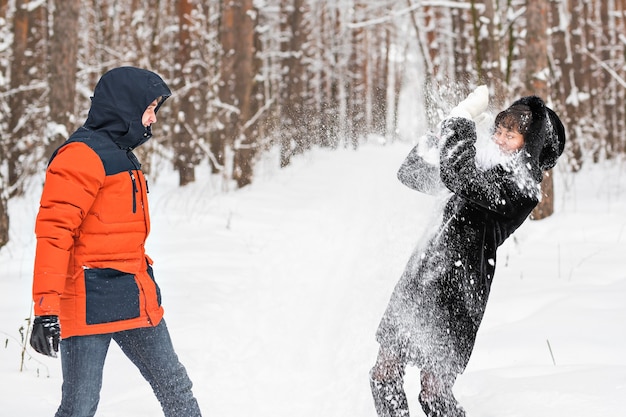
(149, 348)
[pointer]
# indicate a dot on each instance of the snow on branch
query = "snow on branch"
(433, 3)
(608, 69)
(257, 115)
(23, 88)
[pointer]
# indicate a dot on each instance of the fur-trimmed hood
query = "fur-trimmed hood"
(545, 136)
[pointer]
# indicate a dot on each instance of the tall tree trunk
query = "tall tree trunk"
(293, 121)
(329, 74)
(380, 81)
(4, 212)
(183, 142)
(608, 91)
(237, 81)
(4, 206)
(495, 47)
(63, 53)
(536, 83)
(248, 144)
(398, 84)
(27, 87)
(620, 110)
(580, 75)
(460, 44)
(356, 83)
(479, 52)
(423, 40)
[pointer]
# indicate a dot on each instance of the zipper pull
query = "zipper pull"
(132, 178)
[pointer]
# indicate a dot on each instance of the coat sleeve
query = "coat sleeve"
(420, 169)
(494, 189)
(73, 179)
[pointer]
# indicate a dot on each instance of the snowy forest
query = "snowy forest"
(250, 76)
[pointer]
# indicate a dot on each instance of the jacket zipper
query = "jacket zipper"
(132, 178)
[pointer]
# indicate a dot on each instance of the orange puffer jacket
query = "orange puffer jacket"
(91, 268)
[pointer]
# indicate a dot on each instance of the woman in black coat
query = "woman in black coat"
(437, 306)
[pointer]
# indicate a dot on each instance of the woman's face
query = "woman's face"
(508, 140)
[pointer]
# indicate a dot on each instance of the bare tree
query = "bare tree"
(357, 78)
(62, 66)
(236, 84)
(607, 51)
(536, 53)
(430, 72)
(185, 157)
(328, 69)
(4, 215)
(26, 90)
(292, 108)
(379, 78)
(4, 204)
(577, 70)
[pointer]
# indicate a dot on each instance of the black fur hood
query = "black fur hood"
(545, 137)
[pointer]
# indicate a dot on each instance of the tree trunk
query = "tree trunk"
(620, 111)
(293, 120)
(4, 208)
(430, 104)
(27, 86)
(460, 44)
(536, 82)
(581, 76)
(608, 83)
(247, 146)
(380, 82)
(63, 53)
(329, 83)
(183, 143)
(356, 86)
(236, 84)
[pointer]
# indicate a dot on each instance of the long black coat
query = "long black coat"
(435, 310)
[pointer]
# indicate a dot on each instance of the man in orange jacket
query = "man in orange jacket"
(93, 281)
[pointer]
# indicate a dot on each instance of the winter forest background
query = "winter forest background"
(275, 290)
(250, 76)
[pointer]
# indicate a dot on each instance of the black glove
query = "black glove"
(46, 335)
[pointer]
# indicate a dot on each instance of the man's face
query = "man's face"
(508, 140)
(149, 116)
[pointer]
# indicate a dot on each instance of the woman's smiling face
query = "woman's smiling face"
(508, 140)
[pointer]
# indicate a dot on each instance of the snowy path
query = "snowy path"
(273, 294)
(306, 270)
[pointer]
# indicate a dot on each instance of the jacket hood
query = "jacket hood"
(544, 139)
(119, 101)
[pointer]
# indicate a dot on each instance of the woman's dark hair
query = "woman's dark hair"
(517, 117)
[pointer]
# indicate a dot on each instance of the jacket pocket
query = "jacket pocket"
(158, 290)
(111, 295)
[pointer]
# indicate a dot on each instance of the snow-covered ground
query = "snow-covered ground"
(273, 294)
